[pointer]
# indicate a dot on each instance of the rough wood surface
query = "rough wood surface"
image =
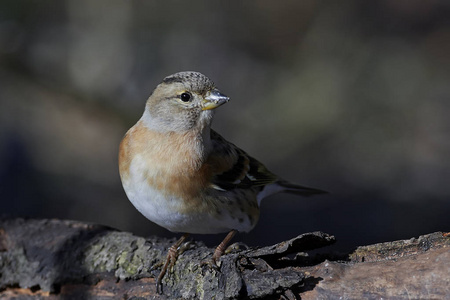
(56, 259)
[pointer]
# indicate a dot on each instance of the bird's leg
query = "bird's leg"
(222, 246)
(172, 255)
(212, 263)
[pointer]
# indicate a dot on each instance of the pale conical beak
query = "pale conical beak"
(214, 99)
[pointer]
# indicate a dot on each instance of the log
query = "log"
(54, 259)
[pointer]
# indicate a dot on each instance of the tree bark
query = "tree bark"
(57, 259)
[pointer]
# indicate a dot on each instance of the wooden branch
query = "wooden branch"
(50, 259)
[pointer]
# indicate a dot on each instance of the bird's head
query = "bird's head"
(183, 101)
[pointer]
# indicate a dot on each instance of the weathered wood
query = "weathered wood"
(50, 259)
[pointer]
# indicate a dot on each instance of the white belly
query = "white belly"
(167, 211)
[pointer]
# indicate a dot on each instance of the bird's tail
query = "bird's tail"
(287, 187)
(296, 189)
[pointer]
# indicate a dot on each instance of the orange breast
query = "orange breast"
(174, 163)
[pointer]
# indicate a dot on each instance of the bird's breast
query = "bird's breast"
(170, 163)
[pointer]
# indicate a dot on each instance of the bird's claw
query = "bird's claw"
(172, 255)
(155, 266)
(238, 246)
(211, 263)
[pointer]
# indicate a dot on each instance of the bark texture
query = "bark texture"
(57, 259)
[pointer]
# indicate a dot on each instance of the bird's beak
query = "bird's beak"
(214, 99)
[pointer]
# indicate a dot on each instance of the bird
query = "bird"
(184, 176)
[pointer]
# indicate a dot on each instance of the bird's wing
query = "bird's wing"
(234, 168)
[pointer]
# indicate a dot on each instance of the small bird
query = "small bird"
(184, 176)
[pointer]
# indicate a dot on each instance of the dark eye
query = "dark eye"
(185, 97)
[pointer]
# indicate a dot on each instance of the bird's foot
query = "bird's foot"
(172, 255)
(214, 261)
(211, 263)
(235, 247)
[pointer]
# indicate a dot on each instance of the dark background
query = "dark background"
(352, 97)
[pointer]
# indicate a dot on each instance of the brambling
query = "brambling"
(184, 176)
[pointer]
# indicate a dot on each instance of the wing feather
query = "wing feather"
(234, 168)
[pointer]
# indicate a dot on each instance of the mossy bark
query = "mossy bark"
(54, 259)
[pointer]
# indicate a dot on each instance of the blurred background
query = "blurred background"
(352, 97)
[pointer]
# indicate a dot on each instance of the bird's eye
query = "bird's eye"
(185, 97)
